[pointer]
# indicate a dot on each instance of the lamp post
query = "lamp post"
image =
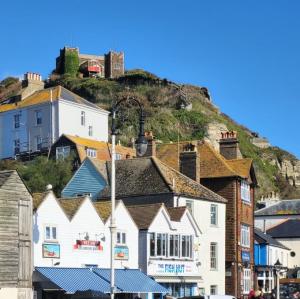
(141, 147)
(277, 266)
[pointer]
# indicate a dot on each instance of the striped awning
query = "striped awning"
(132, 281)
(73, 280)
(97, 280)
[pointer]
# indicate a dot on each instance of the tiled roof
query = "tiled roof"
(176, 213)
(103, 148)
(71, 205)
(37, 199)
(4, 175)
(212, 163)
(283, 207)
(287, 229)
(143, 215)
(145, 176)
(264, 238)
(45, 95)
(103, 208)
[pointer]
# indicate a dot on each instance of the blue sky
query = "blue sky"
(246, 52)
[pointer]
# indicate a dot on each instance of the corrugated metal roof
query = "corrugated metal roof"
(75, 279)
(132, 281)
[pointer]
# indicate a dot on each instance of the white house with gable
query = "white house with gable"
(75, 232)
(33, 122)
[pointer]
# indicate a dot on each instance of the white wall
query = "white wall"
(70, 121)
(201, 210)
(86, 220)
(275, 253)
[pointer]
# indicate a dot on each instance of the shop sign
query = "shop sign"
(245, 256)
(51, 250)
(165, 268)
(121, 253)
(88, 245)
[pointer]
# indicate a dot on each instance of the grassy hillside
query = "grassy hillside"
(161, 99)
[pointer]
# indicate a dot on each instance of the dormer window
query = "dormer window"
(92, 153)
(245, 191)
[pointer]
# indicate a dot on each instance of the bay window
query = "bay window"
(174, 245)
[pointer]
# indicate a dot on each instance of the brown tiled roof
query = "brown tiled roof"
(37, 199)
(71, 205)
(176, 213)
(103, 148)
(143, 215)
(212, 163)
(147, 176)
(103, 208)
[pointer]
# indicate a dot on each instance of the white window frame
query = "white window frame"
(17, 145)
(91, 152)
(246, 281)
(213, 289)
(245, 235)
(188, 248)
(118, 156)
(163, 240)
(38, 143)
(38, 117)
(213, 256)
(121, 238)
(176, 238)
(245, 191)
(213, 215)
(82, 119)
(51, 230)
(62, 152)
(17, 118)
(190, 206)
(90, 130)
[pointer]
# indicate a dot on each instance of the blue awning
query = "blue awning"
(74, 280)
(131, 281)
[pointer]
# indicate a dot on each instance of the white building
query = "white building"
(75, 233)
(34, 123)
(169, 247)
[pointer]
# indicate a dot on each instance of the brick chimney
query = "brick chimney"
(189, 162)
(31, 83)
(151, 147)
(229, 145)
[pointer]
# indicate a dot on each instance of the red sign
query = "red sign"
(95, 69)
(88, 245)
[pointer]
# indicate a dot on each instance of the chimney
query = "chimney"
(31, 83)
(229, 145)
(189, 162)
(151, 147)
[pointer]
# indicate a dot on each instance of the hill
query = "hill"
(185, 112)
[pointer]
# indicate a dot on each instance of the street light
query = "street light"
(277, 266)
(141, 147)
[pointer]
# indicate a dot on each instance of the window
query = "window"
(90, 130)
(62, 152)
(190, 206)
(38, 117)
(82, 118)
(247, 281)
(245, 191)
(174, 245)
(50, 233)
(161, 244)
(152, 244)
(17, 146)
(117, 66)
(121, 238)
(39, 143)
(90, 152)
(245, 235)
(213, 214)
(213, 290)
(17, 121)
(186, 246)
(213, 256)
(118, 156)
